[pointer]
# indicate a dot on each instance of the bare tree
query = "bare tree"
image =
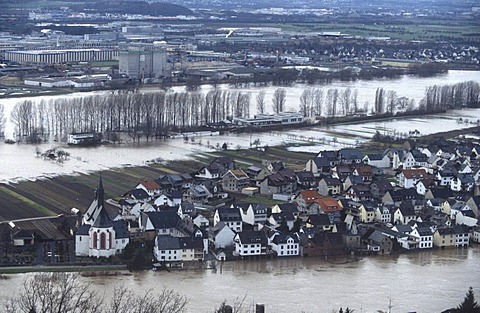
(167, 301)
(2, 120)
(306, 100)
(317, 101)
(391, 101)
(56, 292)
(261, 102)
(65, 293)
(278, 100)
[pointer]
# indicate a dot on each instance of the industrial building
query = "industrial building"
(141, 63)
(52, 57)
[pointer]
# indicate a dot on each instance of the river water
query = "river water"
(18, 162)
(428, 281)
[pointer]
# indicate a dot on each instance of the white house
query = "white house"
(221, 236)
(285, 245)
(383, 214)
(424, 237)
(230, 216)
(251, 243)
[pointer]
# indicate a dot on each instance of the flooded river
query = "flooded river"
(428, 282)
(19, 162)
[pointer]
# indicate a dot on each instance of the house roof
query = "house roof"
(350, 154)
(165, 242)
(190, 243)
(377, 237)
(305, 176)
(253, 237)
(288, 207)
(163, 219)
(138, 194)
(228, 214)
(415, 173)
(446, 231)
(330, 181)
(282, 238)
(328, 204)
(322, 161)
(238, 174)
(121, 230)
(309, 195)
(150, 185)
(319, 219)
(283, 216)
(45, 229)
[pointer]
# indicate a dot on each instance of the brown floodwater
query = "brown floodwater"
(428, 281)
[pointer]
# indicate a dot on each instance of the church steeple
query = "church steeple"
(97, 205)
(100, 193)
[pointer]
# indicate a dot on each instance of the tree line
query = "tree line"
(136, 114)
(154, 114)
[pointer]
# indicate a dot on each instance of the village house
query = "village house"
(230, 216)
(162, 223)
(330, 186)
(350, 156)
(358, 193)
(251, 244)
(424, 237)
(169, 249)
(252, 213)
(379, 188)
(377, 159)
(399, 195)
(383, 214)
(462, 183)
(409, 177)
(284, 221)
(378, 242)
(462, 236)
(329, 206)
(284, 244)
(319, 165)
(367, 214)
(444, 237)
(364, 171)
(306, 180)
(304, 199)
(151, 187)
(217, 168)
(283, 182)
(319, 222)
(403, 215)
(198, 194)
(235, 180)
(322, 244)
(221, 236)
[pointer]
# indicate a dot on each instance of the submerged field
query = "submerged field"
(58, 195)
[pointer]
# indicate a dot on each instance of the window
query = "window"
(95, 240)
(103, 241)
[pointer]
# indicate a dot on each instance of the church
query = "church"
(100, 236)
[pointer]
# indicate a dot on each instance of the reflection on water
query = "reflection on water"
(427, 281)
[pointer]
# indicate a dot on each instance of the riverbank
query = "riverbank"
(87, 270)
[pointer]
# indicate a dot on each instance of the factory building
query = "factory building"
(140, 63)
(51, 57)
